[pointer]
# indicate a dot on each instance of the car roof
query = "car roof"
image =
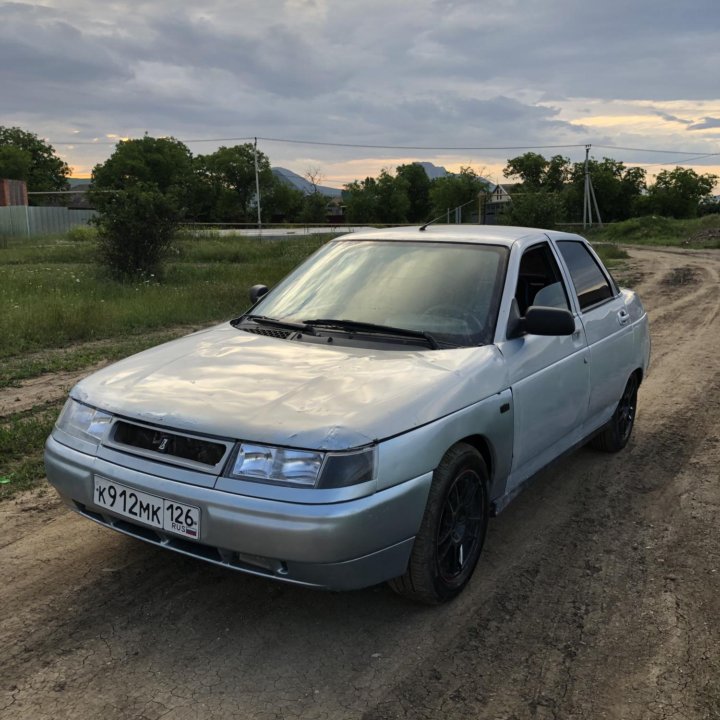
(504, 235)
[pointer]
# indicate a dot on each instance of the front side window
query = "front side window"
(591, 285)
(451, 290)
(539, 280)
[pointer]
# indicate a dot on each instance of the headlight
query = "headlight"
(303, 468)
(83, 422)
(272, 464)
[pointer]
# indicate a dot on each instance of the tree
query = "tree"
(282, 202)
(393, 202)
(44, 170)
(230, 172)
(418, 191)
(314, 203)
(452, 191)
(15, 163)
(141, 192)
(528, 168)
(360, 197)
(314, 208)
(679, 192)
(377, 200)
(617, 188)
(533, 208)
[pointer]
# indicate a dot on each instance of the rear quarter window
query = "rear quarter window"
(591, 285)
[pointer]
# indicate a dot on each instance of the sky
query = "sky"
(490, 78)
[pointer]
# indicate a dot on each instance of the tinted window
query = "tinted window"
(590, 284)
(539, 280)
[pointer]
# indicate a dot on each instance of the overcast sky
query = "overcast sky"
(630, 73)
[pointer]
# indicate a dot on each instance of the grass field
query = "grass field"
(53, 295)
(703, 232)
(60, 314)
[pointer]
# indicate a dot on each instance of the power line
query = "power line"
(682, 161)
(419, 147)
(320, 143)
(114, 142)
(649, 150)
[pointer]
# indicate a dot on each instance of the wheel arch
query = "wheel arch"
(485, 448)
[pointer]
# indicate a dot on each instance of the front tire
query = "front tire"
(615, 435)
(452, 532)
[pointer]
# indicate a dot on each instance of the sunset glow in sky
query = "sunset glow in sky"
(639, 76)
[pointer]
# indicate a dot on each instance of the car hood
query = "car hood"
(230, 383)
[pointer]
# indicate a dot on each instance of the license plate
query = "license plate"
(158, 512)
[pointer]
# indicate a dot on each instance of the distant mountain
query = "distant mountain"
(432, 171)
(300, 183)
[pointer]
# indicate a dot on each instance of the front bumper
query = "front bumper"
(339, 546)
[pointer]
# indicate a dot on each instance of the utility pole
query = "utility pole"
(589, 199)
(257, 189)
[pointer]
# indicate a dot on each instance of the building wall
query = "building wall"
(13, 192)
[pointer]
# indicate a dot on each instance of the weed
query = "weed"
(22, 439)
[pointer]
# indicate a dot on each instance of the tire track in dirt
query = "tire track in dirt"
(41, 390)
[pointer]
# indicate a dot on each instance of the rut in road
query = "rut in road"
(596, 596)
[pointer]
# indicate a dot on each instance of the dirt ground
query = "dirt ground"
(598, 594)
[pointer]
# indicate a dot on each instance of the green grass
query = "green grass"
(703, 232)
(55, 301)
(610, 254)
(22, 438)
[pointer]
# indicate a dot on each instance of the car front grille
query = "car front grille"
(168, 446)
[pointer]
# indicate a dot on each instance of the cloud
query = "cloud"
(707, 123)
(389, 72)
(672, 118)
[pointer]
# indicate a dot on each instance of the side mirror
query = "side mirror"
(548, 321)
(256, 292)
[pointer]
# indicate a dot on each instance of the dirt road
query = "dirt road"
(598, 595)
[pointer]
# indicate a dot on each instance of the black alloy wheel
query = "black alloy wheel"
(451, 536)
(461, 527)
(615, 435)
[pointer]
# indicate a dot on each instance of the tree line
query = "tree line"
(551, 191)
(149, 185)
(221, 186)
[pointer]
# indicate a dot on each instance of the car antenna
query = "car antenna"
(430, 222)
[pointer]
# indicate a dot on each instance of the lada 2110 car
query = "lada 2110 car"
(364, 418)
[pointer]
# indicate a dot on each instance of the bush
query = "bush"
(140, 192)
(135, 229)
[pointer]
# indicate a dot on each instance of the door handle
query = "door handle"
(623, 317)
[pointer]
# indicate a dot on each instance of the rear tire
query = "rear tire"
(452, 532)
(615, 435)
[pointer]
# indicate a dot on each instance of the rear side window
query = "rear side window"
(590, 283)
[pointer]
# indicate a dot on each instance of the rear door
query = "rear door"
(608, 329)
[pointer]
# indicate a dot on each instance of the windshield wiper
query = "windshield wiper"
(372, 328)
(273, 322)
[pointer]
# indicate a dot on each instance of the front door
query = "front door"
(548, 376)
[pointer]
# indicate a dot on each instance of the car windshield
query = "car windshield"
(448, 290)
